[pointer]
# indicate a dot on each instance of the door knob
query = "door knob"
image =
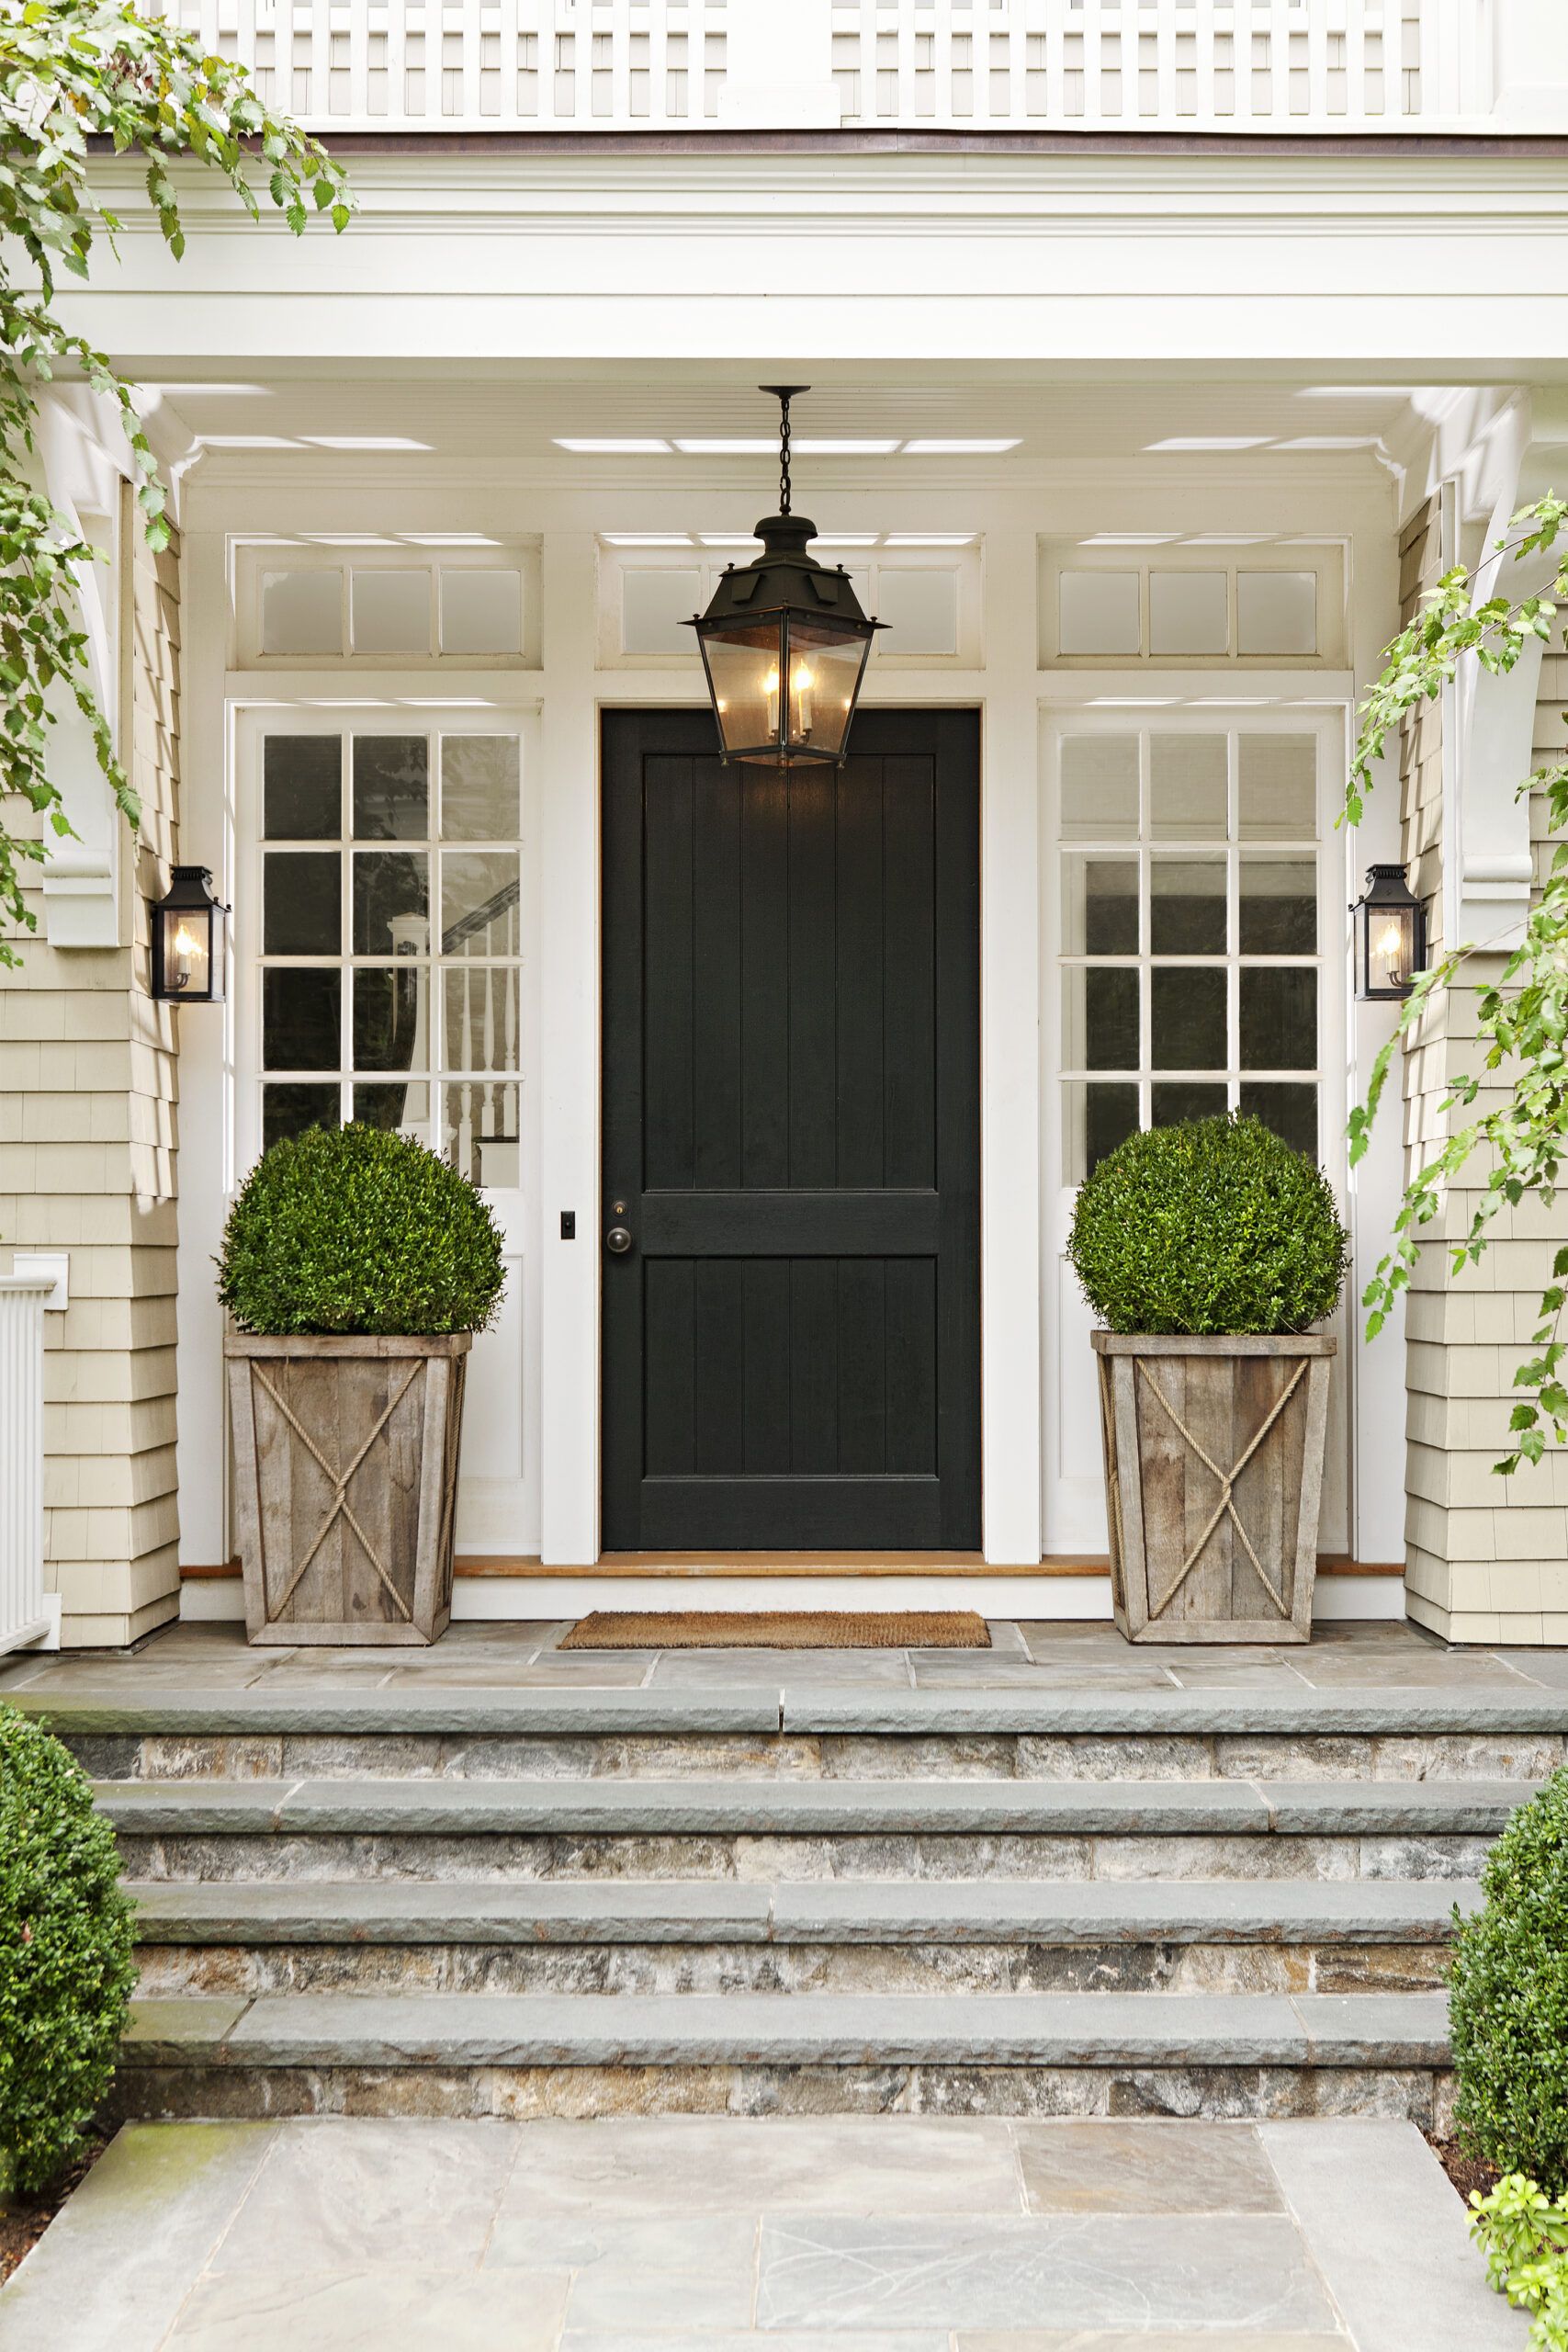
(617, 1240)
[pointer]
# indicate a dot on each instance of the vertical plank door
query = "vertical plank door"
(790, 1122)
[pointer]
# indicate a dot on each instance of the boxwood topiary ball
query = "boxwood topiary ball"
(358, 1229)
(1214, 1226)
(1509, 1998)
(66, 1970)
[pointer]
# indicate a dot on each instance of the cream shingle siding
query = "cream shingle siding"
(1487, 1558)
(87, 1160)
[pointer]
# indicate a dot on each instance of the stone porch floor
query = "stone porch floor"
(1047, 1659)
(812, 2234)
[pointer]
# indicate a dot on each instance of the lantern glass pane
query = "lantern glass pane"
(823, 679)
(187, 950)
(1391, 947)
(743, 669)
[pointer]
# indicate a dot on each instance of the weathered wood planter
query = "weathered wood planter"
(346, 1457)
(1213, 1475)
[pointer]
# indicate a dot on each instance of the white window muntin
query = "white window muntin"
(446, 1116)
(1141, 854)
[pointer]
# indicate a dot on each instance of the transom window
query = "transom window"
(390, 943)
(1190, 948)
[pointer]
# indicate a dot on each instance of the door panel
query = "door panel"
(792, 1124)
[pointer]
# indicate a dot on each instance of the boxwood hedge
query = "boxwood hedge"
(357, 1229)
(1214, 1226)
(66, 1954)
(1509, 1998)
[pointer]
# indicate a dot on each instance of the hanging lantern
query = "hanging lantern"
(1390, 936)
(784, 643)
(189, 933)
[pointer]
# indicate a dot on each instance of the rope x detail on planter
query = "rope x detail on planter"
(341, 1483)
(1227, 1479)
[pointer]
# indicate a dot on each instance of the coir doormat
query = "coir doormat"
(780, 1629)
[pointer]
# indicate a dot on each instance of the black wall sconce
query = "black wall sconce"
(189, 940)
(1391, 936)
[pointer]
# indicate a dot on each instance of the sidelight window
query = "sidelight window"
(389, 973)
(1190, 938)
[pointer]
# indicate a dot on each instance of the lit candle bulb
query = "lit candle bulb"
(186, 946)
(1387, 950)
(804, 682)
(771, 690)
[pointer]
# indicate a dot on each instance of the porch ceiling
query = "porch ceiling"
(412, 427)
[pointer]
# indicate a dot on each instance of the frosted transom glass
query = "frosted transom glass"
(1188, 787)
(1278, 783)
(390, 612)
(920, 609)
(1276, 612)
(1188, 612)
(481, 612)
(654, 607)
(1099, 613)
(302, 612)
(1099, 787)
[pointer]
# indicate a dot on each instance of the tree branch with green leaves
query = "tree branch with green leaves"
(1519, 1140)
(80, 79)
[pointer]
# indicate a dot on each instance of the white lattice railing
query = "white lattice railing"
(1143, 65)
(26, 1615)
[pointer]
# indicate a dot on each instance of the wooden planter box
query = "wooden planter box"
(346, 1458)
(1213, 1475)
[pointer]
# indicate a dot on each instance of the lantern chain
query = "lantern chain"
(783, 453)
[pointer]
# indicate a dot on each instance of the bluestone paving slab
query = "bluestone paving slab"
(1156, 2273)
(725, 2340)
(1045, 2029)
(302, 1708)
(779, 1806)
(1393, 1710)
(1073, 1910)
(675, 2272)
(640, 2167)
(742, 1807)
(403, 1910)
(348, 2194)
(1145, 2166)
(1376, 1808)
(161, 2030)
(394, 2310)
(1094, 2339)
(1375, 2028)
(1390, 2237)
(116, 2265)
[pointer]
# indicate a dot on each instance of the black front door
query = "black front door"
(792, 1106)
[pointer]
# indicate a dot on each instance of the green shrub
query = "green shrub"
(1509, 1998)
(1214, 1226)
(66, 1946)
(355, 1229)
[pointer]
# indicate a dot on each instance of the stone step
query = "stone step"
(687, 1828)
(1063, 2053)
(697, 1936)
(798, 1808)
(847, 1912)
(485, 1733)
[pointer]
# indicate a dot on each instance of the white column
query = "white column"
(778, 66)
(27, 1613)
(1531, 65)
(569, 1057)
(1010, 1059)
